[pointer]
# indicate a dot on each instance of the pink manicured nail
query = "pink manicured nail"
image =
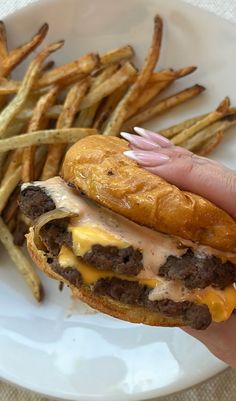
(139, 142)
(150, 159)
(157, 138)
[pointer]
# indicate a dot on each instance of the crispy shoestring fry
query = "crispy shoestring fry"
(3, 41)
(117, 55)
(120, 113)
(108, 106)
(21, 261)
(51, 136)
(210, 144)
(205, 134)
(151, 91)
(164, 105)
(86, 116)
(71, 106)
(17, 55)
(8, 187)
(38, 121)
(205, 122)
(123, 75)
(18, 102)
(177, 128)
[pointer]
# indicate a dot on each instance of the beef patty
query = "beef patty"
(193, 271)
(132, 293)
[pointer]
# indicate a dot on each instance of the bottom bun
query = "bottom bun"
(104, 304)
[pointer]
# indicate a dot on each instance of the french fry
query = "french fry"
(164, 105)
(205, 122)
(123, 75)
(21, 262)
(11, 207)
(3, 41)
(51, 136)
(210, 144)
(117, 55)
(109, 106)
(224, 105)
(47, 66)
(19, 100)
(8, 187)
(151, 91)
(177, 128)
(77, 68)
(120, 113)
(86, 116)
(63, 75)
(200, 137)
(17, 55)
(71, 106)
(3, 54)
(14, 162)
(170, 75)
(38, 121)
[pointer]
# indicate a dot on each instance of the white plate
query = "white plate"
(91, 357)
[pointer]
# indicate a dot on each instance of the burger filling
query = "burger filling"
(129, 263)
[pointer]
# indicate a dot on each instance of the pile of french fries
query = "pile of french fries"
(52, 107)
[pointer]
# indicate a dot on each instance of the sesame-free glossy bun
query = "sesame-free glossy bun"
(96, 166)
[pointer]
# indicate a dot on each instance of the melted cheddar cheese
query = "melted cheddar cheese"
(221, 303)
(90, 274)
(85, 236)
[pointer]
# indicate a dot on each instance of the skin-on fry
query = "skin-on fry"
(17, 55)
(14, 163)
(164, 105)
(50, 136)
(109, 106)
(224, 105)
(11, 207)
(151, 91)
(177, 128)
(79, 68)
(19, 100)
(170, 75)
(86, 116)
(123, 75)
(8, 187)
(63, 75)
(120, 113)
(21, 262)
(38, 121)
(205, 122)
(3, 41)
(200, 137)
(65, 120)
(117, 55)
(211, 144)
(47, 66)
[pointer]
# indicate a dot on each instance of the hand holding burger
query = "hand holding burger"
(206, 178)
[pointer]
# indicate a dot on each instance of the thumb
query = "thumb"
(189, 172)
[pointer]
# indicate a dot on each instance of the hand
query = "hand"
(206, 178)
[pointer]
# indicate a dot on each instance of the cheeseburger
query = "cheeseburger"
(128, 243)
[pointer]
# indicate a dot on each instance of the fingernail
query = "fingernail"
(157, 138)
(139, 142)
(150, 159)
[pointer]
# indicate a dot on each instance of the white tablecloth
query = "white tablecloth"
(221, 387)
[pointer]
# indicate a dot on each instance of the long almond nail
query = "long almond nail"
(157, 138)
(139, 142)
(150, 159)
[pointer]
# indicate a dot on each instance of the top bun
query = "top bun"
(96, 166)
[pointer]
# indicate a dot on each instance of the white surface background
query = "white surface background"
(220, 388)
